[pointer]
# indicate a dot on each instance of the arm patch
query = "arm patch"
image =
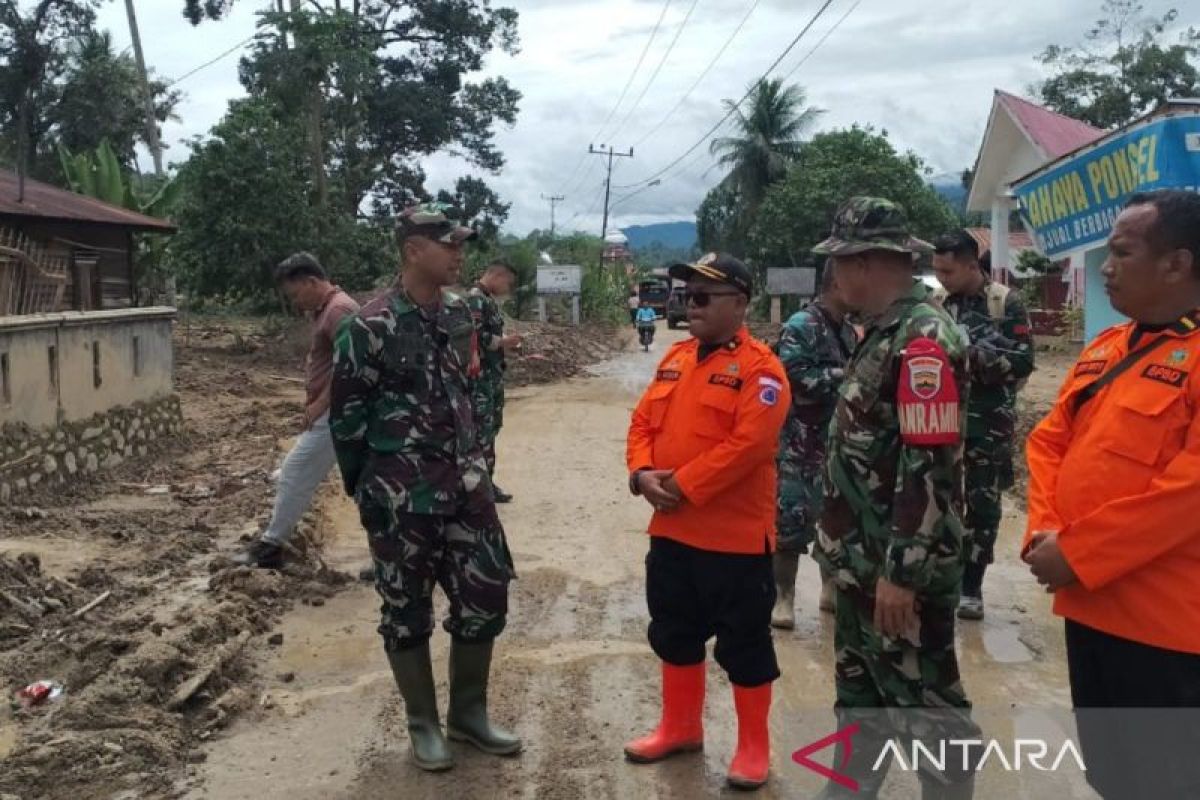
(927, 396)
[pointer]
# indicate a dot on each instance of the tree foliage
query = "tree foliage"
(768, 137)
(62, 82)
(833, 167)
(717, 222)
(345, 99)
(1126, 66)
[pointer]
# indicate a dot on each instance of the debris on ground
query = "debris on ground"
(551, 352)
(120, 585)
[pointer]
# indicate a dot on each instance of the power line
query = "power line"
(211, 62)
(703, 75)
(591, 208)
(661, 62)
(821, 41)
(734, 107)
(632, 76)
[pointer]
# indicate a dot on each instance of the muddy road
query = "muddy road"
(574, 675)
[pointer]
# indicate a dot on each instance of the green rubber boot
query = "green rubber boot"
(414, 677)
(467, 719)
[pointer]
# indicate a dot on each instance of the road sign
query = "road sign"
(800, 281)
(562, 279)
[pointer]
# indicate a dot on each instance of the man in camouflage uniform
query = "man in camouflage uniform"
(891, 532)
(814, 347)
(405, 439)
(487, 390)
(1000, 351)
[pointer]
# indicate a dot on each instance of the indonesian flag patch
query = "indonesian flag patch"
(927, 397)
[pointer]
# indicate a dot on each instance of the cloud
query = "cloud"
(924, 70)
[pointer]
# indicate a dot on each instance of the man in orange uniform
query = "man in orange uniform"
(1114, 509)
(702, 447)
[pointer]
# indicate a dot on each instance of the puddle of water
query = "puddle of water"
(1004, 645)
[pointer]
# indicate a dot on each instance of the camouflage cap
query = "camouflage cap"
(433, 221)
(870, 223)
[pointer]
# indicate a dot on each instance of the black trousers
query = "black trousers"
(1138, 712)
(694, 595)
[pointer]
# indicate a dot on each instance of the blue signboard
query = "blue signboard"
(1074, 204)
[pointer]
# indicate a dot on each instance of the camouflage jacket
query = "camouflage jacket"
(814, 351)
(1000, 354)
(401, 414)
(893, 509)
(489, 327)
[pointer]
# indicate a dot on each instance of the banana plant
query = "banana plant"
(99, 174)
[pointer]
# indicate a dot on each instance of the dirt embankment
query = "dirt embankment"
(120, 588)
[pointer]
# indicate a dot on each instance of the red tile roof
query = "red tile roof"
(43, 201)
(1017, 240)
(1056, 134)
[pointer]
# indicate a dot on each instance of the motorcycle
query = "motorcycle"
(645, 335)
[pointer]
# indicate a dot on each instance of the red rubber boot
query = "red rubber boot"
(681, 729)
(752, 760)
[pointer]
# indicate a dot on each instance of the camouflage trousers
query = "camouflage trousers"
(487, 401)
(895, 688)
(797, 509)
(982, 463)
(467, 555)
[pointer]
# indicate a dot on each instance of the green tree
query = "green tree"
(834, 166)
(99, 100)
(379, 85)
(243, 207)
(768, 138)
(34, 47)
(1125, 67)
(717, 228)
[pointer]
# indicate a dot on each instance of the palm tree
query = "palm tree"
(768, 138)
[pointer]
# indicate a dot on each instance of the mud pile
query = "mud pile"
(551, 353)
(119, 588)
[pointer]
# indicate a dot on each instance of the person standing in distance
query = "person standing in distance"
(487, 390)
(1114, 510)
(404, 432)
(814, 347)
(1000, 352)
(701, 451)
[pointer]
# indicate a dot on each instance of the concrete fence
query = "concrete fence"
(82, 391)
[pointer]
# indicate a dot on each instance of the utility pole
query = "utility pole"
(606, 150)
(147, 97)
(553, 200)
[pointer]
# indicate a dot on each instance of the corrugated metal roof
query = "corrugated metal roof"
(43, 201)
(1054, 133)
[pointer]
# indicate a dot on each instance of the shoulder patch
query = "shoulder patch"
(927, 399)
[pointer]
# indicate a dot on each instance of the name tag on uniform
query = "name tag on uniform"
(668, 374)
(1164, 374)
(730, 381)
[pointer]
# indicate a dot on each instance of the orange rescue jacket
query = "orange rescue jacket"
(715, 423)
(1120, 481)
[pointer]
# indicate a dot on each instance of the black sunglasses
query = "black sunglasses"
(702, 298)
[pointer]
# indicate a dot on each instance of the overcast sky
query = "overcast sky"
(924, 70)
